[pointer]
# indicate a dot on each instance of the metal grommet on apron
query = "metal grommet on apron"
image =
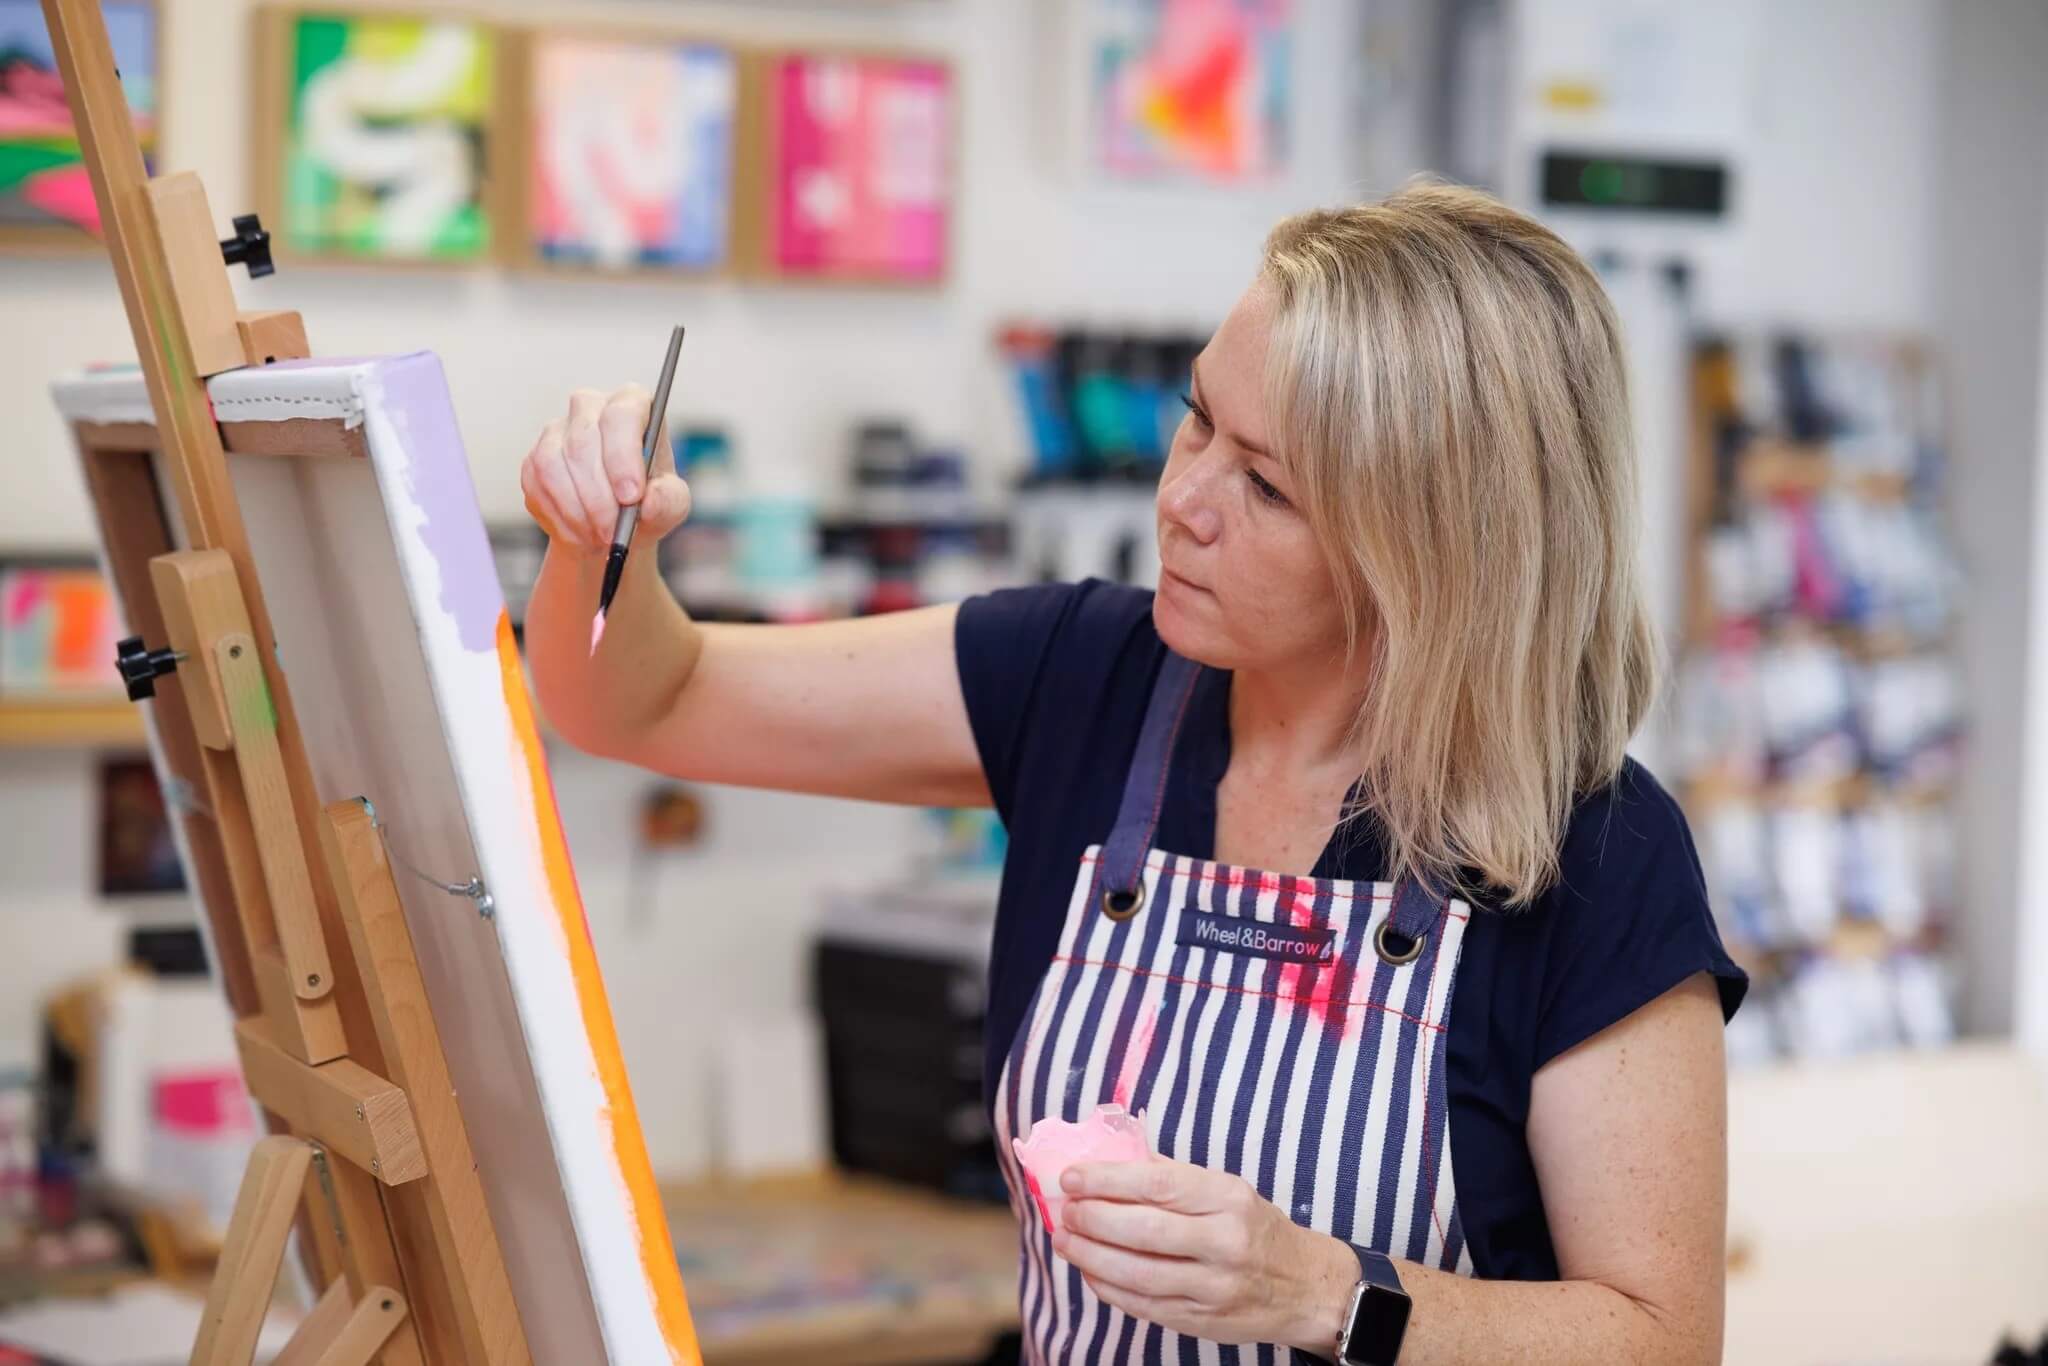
(1287, 1029)
(1396, 957)
(1123, 905)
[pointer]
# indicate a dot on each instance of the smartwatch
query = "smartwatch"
(1377, 1318)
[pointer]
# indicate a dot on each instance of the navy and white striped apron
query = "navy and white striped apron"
(1320, 1080)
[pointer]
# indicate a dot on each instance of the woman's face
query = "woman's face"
(1242, 583)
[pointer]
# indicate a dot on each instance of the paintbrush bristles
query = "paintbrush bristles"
(596, 633)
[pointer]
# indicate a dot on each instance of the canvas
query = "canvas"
(1194, 88)
(861, 185)
(45, 193)
(630, 151)
(399, 657)
(385, 137)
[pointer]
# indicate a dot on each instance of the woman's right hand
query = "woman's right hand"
(587, 465)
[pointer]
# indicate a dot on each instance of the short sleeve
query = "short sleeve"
(1002, 642)
(1632, 916)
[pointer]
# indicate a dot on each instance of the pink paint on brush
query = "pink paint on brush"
(596, 633)
(1109, 1135)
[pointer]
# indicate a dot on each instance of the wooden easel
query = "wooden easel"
(368, 1156)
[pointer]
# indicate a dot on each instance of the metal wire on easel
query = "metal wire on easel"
(474, 889)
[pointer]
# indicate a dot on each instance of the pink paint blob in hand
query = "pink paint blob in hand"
(1111, 1134)
(596, 633)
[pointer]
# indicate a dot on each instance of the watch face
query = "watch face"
(1377, 1327)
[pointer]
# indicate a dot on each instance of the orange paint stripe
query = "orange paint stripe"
(657, 1254)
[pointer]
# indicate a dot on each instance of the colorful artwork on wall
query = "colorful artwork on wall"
(58, 629)
(45, 191)
(630, 151)
(1189, 87)
(385, 137)
(861, 164)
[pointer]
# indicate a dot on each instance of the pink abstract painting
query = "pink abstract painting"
(1190, 87)
(632, 151)
(863, 158)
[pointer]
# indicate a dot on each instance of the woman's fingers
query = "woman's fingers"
(583, 446)
(1162, 1278)
(665, 505)
(545, 480)
(586, 466)
(1179, 1186)
(1146, 1228)
(621, 425)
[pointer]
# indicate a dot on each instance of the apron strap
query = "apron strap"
(1416, 907)
(1123, 857)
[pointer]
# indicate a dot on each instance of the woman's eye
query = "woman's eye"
(1265, 490)
(1201, 418)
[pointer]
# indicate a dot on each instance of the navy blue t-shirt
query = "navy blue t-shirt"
(1056, 680)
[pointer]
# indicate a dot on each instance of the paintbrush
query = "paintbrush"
(629, 517)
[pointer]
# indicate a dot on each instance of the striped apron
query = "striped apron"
(1288, 1029)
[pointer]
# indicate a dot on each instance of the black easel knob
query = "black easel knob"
(250, 246)
(141, 667)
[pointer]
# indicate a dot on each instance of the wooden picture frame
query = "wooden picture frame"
(59, 238)
(278, 28)
(766, 149)
(524, 113)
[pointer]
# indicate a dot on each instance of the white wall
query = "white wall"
(2029, 962)
(1991, 201)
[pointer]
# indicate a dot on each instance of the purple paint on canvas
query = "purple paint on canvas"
(412, 394)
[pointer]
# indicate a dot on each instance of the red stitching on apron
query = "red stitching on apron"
(1271, 883)
(1243, 991)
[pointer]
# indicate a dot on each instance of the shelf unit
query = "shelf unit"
(1818, 716)
(108, 721)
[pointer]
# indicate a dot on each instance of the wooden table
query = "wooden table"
(844, 1269)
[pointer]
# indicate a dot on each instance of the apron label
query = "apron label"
(1258, 938)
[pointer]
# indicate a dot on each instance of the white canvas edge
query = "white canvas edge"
(499, 802)
(271, 393)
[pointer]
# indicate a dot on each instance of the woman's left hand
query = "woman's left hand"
(1202, 1253)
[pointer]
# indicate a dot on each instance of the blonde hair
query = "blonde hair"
(1448, 386)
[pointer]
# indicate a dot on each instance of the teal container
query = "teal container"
(778, 543)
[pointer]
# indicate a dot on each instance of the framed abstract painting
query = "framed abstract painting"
(1186, 89)
(45, 193)
(627, 155)
(854, 179)
(377, 136)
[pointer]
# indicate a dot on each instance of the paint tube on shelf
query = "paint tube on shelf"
(1032, 355)
(1099, 404)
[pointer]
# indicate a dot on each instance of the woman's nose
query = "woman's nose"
(1187, 499)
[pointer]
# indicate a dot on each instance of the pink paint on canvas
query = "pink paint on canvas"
(1111, 1134)
(863, 167)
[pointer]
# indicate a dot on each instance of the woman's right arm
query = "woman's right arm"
(870, 708)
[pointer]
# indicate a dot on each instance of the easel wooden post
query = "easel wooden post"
(368, 1154)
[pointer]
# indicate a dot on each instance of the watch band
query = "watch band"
(1377, 1268)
